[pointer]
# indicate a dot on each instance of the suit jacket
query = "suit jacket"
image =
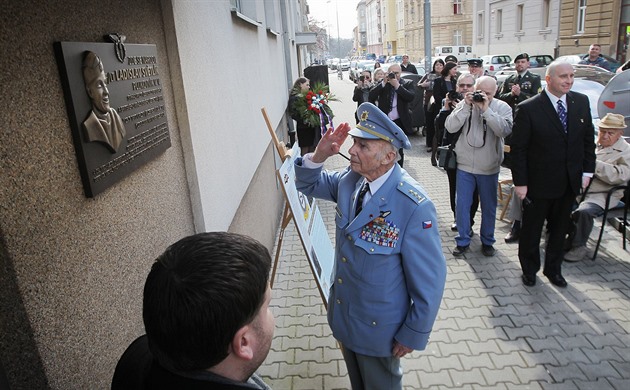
(389, 267)
(440, 90)
(381, 96)
(544, 158)
(530, 86)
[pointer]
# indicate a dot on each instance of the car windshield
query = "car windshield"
(501, 60)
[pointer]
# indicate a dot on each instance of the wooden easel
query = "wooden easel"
(287, 215)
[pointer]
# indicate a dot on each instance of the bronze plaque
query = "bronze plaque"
(116, 108)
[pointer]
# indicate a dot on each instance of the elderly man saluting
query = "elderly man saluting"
(612, 168)
(389, 267)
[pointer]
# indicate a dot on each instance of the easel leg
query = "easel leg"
(286, 218)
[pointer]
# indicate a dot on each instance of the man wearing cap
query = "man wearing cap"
(393, 96)
(517, 88)
(451, 58)
(389, 267)
(612, 168)
(407, 66)
(475, 67)
(553, 156)
(522, 85)
(103, 124)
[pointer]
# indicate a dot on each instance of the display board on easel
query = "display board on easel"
(306, 218)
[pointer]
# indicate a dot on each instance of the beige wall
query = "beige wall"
(72, 269)
(601, 26)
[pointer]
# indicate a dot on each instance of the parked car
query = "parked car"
(540, 60)
(344, 63)
(382, 58)
(355, 71)
(585, 72)
(395, 59)
(495, 62)
(575, 58)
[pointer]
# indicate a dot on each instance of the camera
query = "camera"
(362, 78)
(454, 95)
(391, 75)
(477, 97)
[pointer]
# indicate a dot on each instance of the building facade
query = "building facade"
(72, 268)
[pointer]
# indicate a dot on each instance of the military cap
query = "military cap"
(375, 124)
(522, 56)
(451, 58)
(475, 61)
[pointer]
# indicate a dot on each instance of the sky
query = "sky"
(326, 11)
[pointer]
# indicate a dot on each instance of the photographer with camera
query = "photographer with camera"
(442, 86)
(465, 84)
(393, 96)
(484, 122)
(362, 90)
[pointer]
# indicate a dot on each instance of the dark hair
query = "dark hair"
(447, 68)
(199, 293)
(438, 61)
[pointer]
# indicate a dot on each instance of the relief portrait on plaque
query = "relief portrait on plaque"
(103, 124)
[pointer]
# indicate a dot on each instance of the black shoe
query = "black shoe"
(433, 162)
(557, 280)
(514, 234)
(429, 149)
(454, 227)
(460, 250)
(488, 250)
(529, 280)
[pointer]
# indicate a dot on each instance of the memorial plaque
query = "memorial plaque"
(116, 110)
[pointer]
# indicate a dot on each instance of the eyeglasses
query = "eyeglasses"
(465, 85)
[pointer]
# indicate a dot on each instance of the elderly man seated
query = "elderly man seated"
(612, 168)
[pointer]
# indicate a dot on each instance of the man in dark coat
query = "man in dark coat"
(393, 96)
(407, 66)
(553, 156)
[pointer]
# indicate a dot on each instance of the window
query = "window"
(246, 10)
(498, 22)
(581, 16)
(480, 25)
(457, 7)
(457, 37)
(519, 17)
(545, 14)
(270, 16)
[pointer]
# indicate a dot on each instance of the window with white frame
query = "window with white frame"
(581, 16)
(457, 7)
(480, 25)
(457, 37)
(270, 16)
(245, 9)
(498, 21)
(546, 8)
(519, 17)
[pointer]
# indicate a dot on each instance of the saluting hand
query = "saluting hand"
(331, 142)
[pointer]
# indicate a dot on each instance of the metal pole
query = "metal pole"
(427, 36)
(337, 12)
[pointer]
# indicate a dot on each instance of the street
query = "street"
(491, 331)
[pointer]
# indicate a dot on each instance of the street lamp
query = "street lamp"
(337, 15)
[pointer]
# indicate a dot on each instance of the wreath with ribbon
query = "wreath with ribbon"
(313, 108)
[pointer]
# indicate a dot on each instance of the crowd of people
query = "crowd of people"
(206, 299)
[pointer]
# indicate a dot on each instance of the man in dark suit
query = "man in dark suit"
(553, 156)
(516, 89)
(393, 96)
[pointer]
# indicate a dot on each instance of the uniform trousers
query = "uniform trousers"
(557, 212)
(486, 185)
(371, 372)
(584, 217)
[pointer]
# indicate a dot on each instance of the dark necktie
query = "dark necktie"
(364, 190)
(518, 80)
(562, 113)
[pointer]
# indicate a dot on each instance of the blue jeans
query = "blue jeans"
(486, 185)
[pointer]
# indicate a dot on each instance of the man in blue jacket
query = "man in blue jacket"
(389, 267)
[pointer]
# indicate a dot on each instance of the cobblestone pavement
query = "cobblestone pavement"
(491, 331)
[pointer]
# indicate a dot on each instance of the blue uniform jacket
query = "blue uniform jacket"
(389, 267)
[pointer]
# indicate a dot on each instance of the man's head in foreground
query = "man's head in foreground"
(206, 305)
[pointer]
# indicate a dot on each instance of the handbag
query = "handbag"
(447, 158)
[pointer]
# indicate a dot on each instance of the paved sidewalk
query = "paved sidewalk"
(491, 331)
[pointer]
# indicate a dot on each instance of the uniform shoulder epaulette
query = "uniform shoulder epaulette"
(412, 192)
